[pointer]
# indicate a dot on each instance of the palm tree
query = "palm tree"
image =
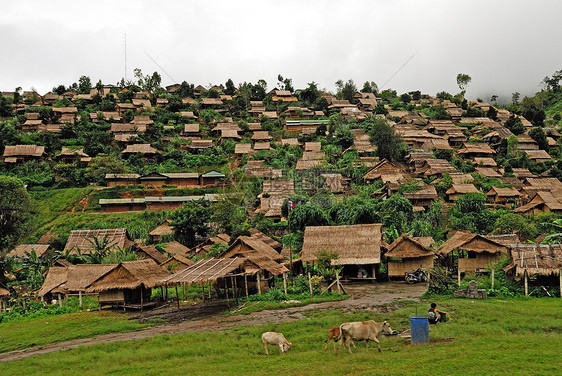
(555, 237)
(100, 249)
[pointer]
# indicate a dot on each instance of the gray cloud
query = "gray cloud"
(505, 46)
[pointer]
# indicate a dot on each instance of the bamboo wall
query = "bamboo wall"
(399, 268)
(482, 261)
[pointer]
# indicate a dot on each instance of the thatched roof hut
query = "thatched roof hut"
(408, 247)
(160, 231)
(468, 241)
(249, 246)
(542, 259)
(205, 247)
(480, 251)
(130, 275)
(354, 244)
(56, 276)
(176, 262)
(83, 275)
(82, 239)
(150, 252)
(23, 249)
(175, 248)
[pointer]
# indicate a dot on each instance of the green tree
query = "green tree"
(191, 221)
(84, 85)
(463, 80)
(307, 215)
(537, 134)
(515, 223)
(148, 82)
(389, 144)
(105, 164)
(515, 125)
(15, 210)
(230, 88)
(370, 87)
(346, 90)
(285, 83)
(515, 98)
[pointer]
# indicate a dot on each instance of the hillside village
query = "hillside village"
(136, 187)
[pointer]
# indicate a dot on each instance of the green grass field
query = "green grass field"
(492, 337)
(51, 329)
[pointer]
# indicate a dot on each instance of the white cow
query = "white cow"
(272, 338)
(362, 331)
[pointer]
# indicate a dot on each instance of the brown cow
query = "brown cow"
(363, 331)
(334, 335)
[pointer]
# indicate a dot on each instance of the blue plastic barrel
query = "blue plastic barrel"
(419, 327)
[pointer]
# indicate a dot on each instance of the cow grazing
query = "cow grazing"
(334, 335)
(363, 331)
(272, 338)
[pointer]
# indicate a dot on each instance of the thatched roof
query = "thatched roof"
(152, 253)
(130, 275)
(462, 189)
(505, 239)
(540, 259)
(242, 148)
(56, 276)
(139, 148)
(178, 262)
(205, 271)
(476, 148)
(254, 246)
(426, 193)
(261, 135)
(23, 249)
(163, 229)
(468, 241)
(81, 239)
(354, 244)
(407, 247)
(503, 192)
(175, 248)
(257, 234)
(546, 198)
(24, 150)
(384, 167)
(82, 275)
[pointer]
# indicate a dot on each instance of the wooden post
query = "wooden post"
(80, 298)
(493, 279)
(42, 300)
(203, 291)
(209, 289)
(162, 293)
(310, 283)
(560, 274)
(183, 286)
(285, 283)
(226, 289)
(374, 272)
(177, 296)
(60, 301)
(246, 285)
(235, 289)
(526, 283)
(459, 276)
(338, 283)
(259, 283)
(142, 297)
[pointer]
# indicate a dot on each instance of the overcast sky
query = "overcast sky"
(505, 46)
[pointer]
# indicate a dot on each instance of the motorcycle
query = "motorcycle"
(415, 277)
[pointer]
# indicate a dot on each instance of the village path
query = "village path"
(378, 297)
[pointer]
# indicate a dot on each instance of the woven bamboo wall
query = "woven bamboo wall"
(397, 268)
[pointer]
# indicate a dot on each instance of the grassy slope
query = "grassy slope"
(519, 337)
(60, 210)
(51, 329)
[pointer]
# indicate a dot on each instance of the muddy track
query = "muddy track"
(376, 297)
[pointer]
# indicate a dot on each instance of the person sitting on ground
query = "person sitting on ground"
(434, 315)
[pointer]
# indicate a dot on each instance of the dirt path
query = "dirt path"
(376, 297)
